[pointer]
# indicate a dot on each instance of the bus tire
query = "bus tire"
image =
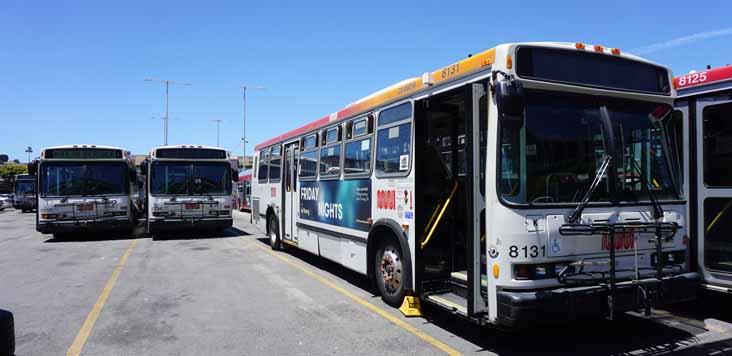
(7, 333)
(389, 273)
(274, 234)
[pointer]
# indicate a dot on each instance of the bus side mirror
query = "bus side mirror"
(510, 100)
(143, 167)
(234, 175)
(33, 168)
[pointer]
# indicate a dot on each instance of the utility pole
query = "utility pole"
(167, 87)
(29, 150)
(244, 117)
(218, 131)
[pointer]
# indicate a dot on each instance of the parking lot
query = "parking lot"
(231, 295)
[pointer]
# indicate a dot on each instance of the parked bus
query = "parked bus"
(84, 188)
(244, 191)
(526, 184)
(24, 192)
(705, 102)
(188, 186)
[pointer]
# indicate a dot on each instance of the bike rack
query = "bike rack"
(574, 273)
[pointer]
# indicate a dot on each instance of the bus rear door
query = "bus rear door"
(290, 198)
(714, 187)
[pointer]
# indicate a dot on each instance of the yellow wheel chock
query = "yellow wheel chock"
(411, 307)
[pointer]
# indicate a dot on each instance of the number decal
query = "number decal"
(530, 251)
(450, 70)
(692, 79)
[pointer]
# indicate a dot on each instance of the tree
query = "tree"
(9, 171)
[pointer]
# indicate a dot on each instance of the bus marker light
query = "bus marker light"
(579, 45)
(405, 227)
(599, 48)
(615, 51)
(496, 270)
(509, 62)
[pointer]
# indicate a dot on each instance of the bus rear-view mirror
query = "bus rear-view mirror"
(510, 100)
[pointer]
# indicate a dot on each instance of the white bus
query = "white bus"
(188, 187)
(705, 102)
(24, 192)
(526, 184)
(84, 188)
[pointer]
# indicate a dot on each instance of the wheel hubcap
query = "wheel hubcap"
(391, 271)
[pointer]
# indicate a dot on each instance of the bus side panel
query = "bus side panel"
(308, 241)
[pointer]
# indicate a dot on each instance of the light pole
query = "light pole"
(244, 116)
(167, 85)
(29, 150)
(218, 131)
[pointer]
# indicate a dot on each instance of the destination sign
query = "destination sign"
(190, 153)
(83, 153)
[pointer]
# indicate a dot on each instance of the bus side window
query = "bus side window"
(263, 168)
(274, 164)
(308, 164)
(394, 140)
(357, 155)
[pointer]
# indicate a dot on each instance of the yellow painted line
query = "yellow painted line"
(397, 321)
(91, 319)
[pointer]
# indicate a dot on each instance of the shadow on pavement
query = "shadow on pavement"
(88, 237)
(200, 235)
(627, 335)
(353, 278)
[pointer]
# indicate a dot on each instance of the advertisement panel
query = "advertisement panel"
(345, 203)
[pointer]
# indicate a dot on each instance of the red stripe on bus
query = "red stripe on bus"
(703, 78)
(296, 132)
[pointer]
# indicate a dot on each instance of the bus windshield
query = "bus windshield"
(25, 187)
(554, 155)
(83, 179)
(183, 178)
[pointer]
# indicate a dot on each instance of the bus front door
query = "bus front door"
(476, 158)
(290, 197)
(714, 189)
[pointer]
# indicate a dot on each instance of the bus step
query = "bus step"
(450, 301)
(459, 283)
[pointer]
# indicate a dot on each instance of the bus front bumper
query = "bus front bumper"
(518, 309)
(172, 225)
(96, 225)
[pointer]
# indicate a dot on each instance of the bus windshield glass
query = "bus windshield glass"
(25, 187)
(83, 179)
(554, 155)
(185, 178)
(211, 178)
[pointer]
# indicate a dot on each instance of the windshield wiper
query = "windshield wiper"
(595, 183)
(657, 209)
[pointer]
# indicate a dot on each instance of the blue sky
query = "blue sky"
(72, 71)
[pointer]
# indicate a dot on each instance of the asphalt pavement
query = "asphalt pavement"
(229, 294)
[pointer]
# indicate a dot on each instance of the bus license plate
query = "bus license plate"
(86, 207)
(193, 205)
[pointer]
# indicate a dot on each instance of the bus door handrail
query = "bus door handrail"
(427, 239)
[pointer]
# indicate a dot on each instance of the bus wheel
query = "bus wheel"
(389, 273)
(274, 234)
